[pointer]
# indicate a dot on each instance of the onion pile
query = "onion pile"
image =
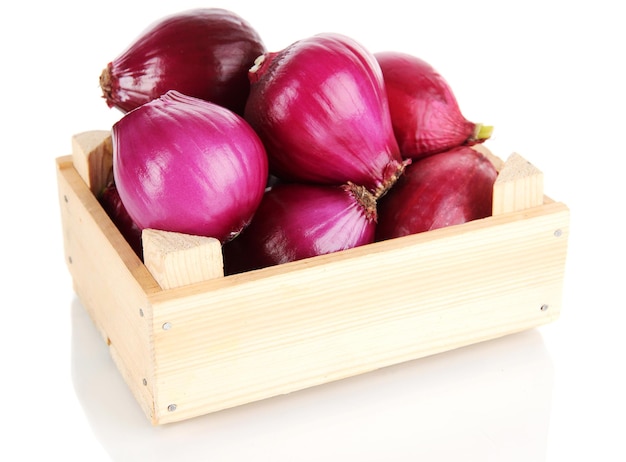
(321, 147)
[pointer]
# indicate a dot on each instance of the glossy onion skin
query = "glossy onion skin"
(205, 53)
(424, 111)
(187, 165)
(113, 206)
(297, 221)
(320, 108)
(447, 188)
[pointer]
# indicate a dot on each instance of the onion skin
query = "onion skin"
(445, 189)
(424, 111)
(113, 206)
(187, 165)
(320, 107)
(297, 221)
(204, 52)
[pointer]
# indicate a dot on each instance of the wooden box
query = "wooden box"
(189, 341)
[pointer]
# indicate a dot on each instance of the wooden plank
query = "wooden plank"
(111, 282)
(519, 186)
(92, 155)
(247, 337)
(176, 259)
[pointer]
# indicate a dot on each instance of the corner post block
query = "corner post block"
(176, 259)
(519, 186)
(92, 155)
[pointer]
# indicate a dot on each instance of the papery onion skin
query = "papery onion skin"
(445, 189)
(297, 221)
(186, 165)
(425, 113)
(320, 107)
(204, 52)
(110, 200)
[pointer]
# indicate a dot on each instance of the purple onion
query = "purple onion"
(320, 107)
(203, 52)
(425, 113)
(187, 165)
(113, 206)
(297, 221)
(444, 189)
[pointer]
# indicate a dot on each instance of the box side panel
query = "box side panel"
(224, 343)
(110, 281)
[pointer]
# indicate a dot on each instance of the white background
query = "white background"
(549, 75)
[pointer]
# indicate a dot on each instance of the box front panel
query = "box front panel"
(223, 343)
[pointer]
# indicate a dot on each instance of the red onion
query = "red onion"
(113, 206)
(187, 165)
(204, 52)
(297, 221)
(424, 111)
(320, 108)
(444, 189)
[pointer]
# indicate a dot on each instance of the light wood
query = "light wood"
(208, 345)
(519, 186)
(93, 158)
(176, 259)
(110, 281)
(495, 160)
(280, 330)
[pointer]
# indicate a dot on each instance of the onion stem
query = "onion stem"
(365, 198)
(393, 172)
(105, 82)
(482, 132)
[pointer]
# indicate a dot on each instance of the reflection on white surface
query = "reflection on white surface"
(485, 402)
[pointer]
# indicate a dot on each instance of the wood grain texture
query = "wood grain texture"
(92, 154)
(176, 259)
(242, 339)
(110, 281)
(199, 342)
(519, 186)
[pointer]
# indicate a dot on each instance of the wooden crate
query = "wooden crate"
(189, 341)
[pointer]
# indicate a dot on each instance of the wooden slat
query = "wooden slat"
(111, 282)
(227, 342)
